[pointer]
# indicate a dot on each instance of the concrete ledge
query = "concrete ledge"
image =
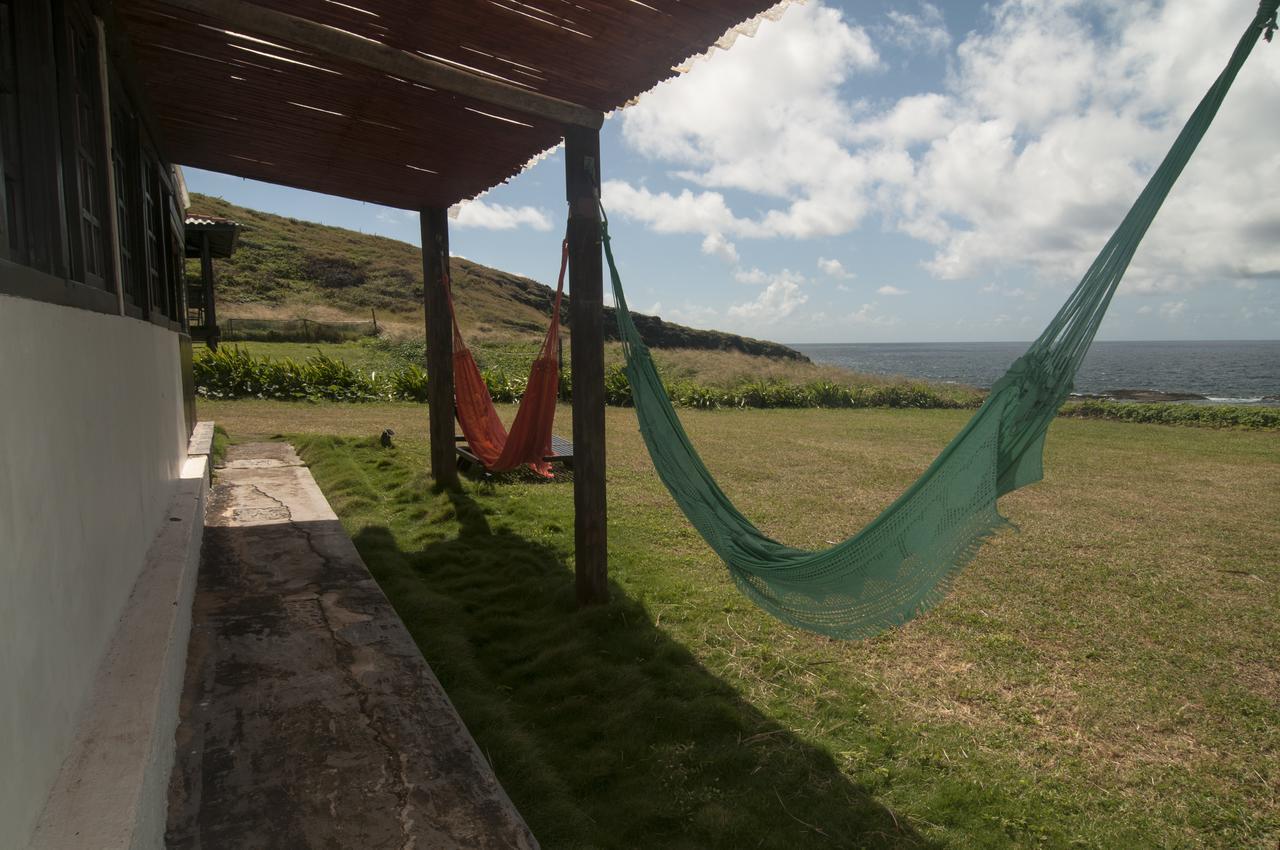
(112, 790)
(201, 442)
(310, 718)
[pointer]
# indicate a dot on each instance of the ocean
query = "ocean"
(1223, 372)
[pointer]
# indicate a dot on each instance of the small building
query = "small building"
(207, 239)
(101, 484)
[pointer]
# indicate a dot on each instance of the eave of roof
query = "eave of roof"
(230, 101)
(223, 234)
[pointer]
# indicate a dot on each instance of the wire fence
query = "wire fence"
(294, 330)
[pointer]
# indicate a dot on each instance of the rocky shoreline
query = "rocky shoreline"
(1153, 396)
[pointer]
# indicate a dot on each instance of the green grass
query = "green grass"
(1105, 678)
(218, 450)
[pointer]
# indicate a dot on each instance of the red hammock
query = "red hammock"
(529, 440)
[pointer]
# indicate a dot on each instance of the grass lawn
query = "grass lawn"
(1106, 678)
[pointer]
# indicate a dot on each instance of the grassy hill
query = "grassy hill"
(286, 268)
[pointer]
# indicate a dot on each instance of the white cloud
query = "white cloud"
(704, 212)
(751, 277)
(717, 246)
(869, 314)
(834, 268)
(1173, 309)
(1052, 117)
(710, 123)
(479, 213)
(889, 289)
(925, 32)
(1145, 310)
(777, 301)
(1056, 130)
(1006, 291)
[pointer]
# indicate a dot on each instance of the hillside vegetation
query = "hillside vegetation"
(286, 268)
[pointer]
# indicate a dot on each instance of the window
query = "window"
(124, 162)
(152, 235)
(12, 220)
(57, 168)
(175, 268)
(85, 150)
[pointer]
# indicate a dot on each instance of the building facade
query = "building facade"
(95, 411)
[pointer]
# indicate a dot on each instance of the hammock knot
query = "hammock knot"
(1267, 14)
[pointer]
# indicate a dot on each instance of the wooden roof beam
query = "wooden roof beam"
(339, 44)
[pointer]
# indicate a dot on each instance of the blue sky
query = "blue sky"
(879, 172)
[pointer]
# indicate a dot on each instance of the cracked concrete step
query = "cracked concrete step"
(309, 717)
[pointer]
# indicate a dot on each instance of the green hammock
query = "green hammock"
(903, 562)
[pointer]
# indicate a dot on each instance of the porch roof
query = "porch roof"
(230, 94)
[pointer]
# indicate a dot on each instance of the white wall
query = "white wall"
(92, 439)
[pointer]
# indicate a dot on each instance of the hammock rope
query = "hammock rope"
(904, 561)
(529, 440)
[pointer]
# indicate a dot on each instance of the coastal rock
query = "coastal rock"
(1140, 395)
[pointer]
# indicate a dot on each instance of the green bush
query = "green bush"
(233, 373)
(1205, 416)
(409, 383)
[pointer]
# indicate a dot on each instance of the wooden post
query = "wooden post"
(211, 333)
(586, 357)
(435, 254)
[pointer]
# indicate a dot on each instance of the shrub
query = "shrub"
(1207, 416)
(233, 373)
(409, 383)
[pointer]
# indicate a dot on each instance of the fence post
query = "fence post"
(374, 313)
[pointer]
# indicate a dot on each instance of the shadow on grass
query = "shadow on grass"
(604, 731)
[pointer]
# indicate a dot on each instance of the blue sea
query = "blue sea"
(1224, 372)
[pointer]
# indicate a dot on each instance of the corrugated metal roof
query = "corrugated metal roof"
(231, 101)
(222, 233)
(209, 221)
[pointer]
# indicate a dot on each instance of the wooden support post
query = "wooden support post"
(211, 332)
(435, 254)
(586, 354)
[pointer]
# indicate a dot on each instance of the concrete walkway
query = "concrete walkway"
(309, 718)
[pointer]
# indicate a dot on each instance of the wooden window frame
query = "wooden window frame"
(176, 257)
(150, 232)
(84, 151)
(12, 210)
(126, 164)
